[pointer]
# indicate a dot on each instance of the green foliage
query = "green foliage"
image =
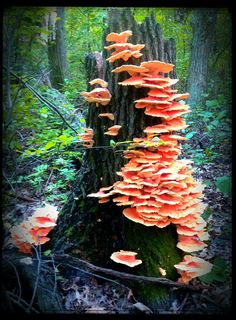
(207, 213)
(224, 184)
(210, 129)
(218, 272)
(84, 28)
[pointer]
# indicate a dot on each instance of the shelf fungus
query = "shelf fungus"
(34, 230)
(113, 131)
(87, 137)
(126, 257)
(109, 116)
(99, 96)
(192, 267)
(156, 188)
(122, 49)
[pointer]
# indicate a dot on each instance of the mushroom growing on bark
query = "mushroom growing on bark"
(33, 231)
(126, 257)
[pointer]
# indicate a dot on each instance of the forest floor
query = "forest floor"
(86, 292)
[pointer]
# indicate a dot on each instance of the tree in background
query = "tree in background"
(204, 28)
(57, 47)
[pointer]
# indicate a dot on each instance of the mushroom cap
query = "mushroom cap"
(107, 115)
(193, 267)
(131, 69)
(132, 81)
(99, 81)
(190, 244)
(119, 37)
(152, 100)
(98, 95)
(124, 46)
(179, 96)
(33, 231)
(157, 66)
(126, 257)
(113, 131)
(158, 93)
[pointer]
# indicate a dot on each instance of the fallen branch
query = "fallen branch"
(64, 258)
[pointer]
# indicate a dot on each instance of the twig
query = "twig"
(8, 181)
(183, 303)
(128, 276)
(38, 254)
(55, 276)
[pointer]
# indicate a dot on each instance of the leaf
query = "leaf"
(211, 103)
(82, 120)
(206, 214)
(49, 145)
(207, 182)
(217, 273)
(112, 143)
(190, 134)
(47, 253)
(224, 184)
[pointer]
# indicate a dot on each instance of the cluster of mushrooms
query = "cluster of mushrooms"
(34, 230)
(157, 187)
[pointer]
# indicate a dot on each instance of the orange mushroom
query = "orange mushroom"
(113, 131)
(99, 96)
(33, 231)
(99, 81)
(130, 68)
(107, 115)
(126, 257)
(119, 37)
(87, 137)
(190, 243)
(192, 267)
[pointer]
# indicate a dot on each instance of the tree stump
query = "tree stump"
(92, 230)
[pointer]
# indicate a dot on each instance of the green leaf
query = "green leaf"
(112, 143)
(82, 120)
(224, 184)
(49, 145)
(47, 253)
(207, 182)
(190, 134)
(211, 103)
(206, 214)
(217, 273)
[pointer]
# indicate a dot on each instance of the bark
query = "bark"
(57, 48)
(204, 25)
(96, 230)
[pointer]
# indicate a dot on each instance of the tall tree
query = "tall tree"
(204, 26)
(96, 230)
(57, 47)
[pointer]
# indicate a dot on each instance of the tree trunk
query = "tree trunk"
(204, 26)
(57, 48)
(96, 230)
